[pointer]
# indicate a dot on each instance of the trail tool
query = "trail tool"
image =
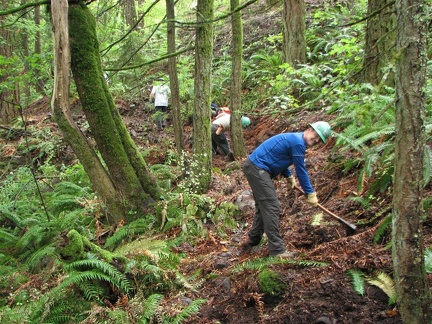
(340, 219)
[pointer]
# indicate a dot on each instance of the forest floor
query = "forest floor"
(315, 294)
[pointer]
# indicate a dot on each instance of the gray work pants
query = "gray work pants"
(267, 208)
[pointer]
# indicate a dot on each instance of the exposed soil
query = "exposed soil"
(314, 294)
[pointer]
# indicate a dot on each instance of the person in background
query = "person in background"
(270, 159)
(160, 93)
(220, 124)
(214, 110)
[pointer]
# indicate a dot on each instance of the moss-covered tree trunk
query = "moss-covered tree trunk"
(100, 179)
(202, 111)
(413, 293)
(126, 167)
(236, 82)
(174, 85)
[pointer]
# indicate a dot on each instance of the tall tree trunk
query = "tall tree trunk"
(25, 53)
(174, 85)
(130, 12)
(9, 100)
(202, 114)
(294, 31)
(38, 46)
(380, 41)
(236, 130)
(413, 295)
(100, 179)
(127, 168)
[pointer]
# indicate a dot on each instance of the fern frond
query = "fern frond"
(16, 315)
(357, 280)
(254, 265)
(91, 290)
(188, 311)
(317, 219)
(384, 226)
(347, 141)
(261, 263)
(36, 258)
(70, 188)
(7, 214)
(32, 237)
(427, 166)
(130, 230)
(7, 239)
(375, 134)
(385, 283)
(100, 270)
(146, 247)
(428, 260)
(150, 305)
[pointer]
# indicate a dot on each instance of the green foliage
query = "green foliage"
(150, 307)
(191, 212)
(188, 311)
(164, 175)
(93, 276)
(187, 211)
(223, 217)
(130, 231)
(259, 264)
(151, 314)
(357, 280)
(271, 283)
(379, 279)
(428, 259)
(384, 227)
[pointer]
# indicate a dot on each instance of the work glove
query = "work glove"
(291, 182)
(312, 199)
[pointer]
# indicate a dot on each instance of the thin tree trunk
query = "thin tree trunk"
(294, 39)
(413, 294)
(25, 53)
(202, 89)
(236, 130)
(130, 12)
(38, 46)
(174, 85)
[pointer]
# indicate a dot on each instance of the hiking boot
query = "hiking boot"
(229, 157)
(246, 246)
(286, 255)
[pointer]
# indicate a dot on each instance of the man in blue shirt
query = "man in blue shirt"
(272, 158)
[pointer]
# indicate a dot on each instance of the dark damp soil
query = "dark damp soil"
(317, 287)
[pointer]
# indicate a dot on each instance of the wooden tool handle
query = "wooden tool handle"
(352, 226)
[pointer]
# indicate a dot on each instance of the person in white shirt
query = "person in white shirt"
(220, 124)
(160, 93)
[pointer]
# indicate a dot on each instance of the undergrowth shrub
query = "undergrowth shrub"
(271, 283)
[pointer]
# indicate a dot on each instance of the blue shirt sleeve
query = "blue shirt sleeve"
(302, 174)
